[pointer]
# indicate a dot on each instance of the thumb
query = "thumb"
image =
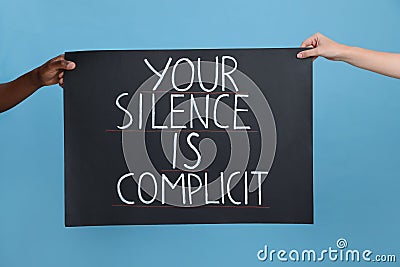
(308, 53)
(63, 65)
(70, 65)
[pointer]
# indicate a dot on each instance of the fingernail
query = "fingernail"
(71, 65)
(299, 55)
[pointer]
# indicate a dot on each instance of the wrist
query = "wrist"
(345, 52)
(35, 79)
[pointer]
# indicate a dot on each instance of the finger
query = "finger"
(60, 64)
(63, 65)
(61, 82)
(61, 75)
(310, 41)
(308, 53)
(71, 65)
(57, 58)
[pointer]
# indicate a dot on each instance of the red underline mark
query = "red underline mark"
(177, 92)
(182, 130)
(184, 170)
(162, 207)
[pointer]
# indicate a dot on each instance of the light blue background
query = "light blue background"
(356, 128)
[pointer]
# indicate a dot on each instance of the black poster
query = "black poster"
(188, 136)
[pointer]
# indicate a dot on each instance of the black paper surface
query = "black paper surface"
(96, 159)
